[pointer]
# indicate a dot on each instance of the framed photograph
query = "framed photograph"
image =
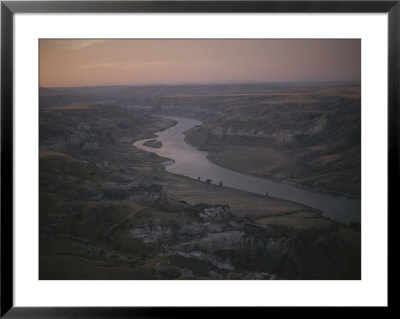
(165, 157)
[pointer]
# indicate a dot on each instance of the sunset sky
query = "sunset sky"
(65, 63)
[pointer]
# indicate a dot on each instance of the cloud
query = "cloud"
(82, 44)
(120, 65)
(98, 65)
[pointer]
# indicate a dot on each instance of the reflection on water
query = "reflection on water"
(193, 163)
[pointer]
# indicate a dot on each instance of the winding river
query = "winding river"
(190, 162)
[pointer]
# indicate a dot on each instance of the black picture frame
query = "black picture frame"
(9, 8)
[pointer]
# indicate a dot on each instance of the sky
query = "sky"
(95, 62)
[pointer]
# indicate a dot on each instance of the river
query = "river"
(189, 161)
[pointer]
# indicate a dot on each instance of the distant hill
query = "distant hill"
(124, 94)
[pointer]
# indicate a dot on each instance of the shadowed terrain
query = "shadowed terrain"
(110, 211)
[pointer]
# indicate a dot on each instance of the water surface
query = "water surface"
(190, 162)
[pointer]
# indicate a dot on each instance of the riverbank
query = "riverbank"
(315, 143)
(269, 210)
(193, 163)
(265, 162)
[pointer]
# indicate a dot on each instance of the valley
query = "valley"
(109, 210)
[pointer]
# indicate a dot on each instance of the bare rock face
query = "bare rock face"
(214, 241)
(151, 232)
(191, 230)
(146, 193)
(216, 213)
(171, 239)
(215, 237)
(239, 131)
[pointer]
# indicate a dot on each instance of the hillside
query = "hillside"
(304, 134)
(110, 211)
(307, 137)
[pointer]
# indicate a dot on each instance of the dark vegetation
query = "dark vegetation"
(153, 143)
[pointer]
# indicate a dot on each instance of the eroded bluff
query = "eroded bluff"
(169, 239)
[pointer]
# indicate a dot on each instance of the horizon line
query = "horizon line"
(354, 82)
